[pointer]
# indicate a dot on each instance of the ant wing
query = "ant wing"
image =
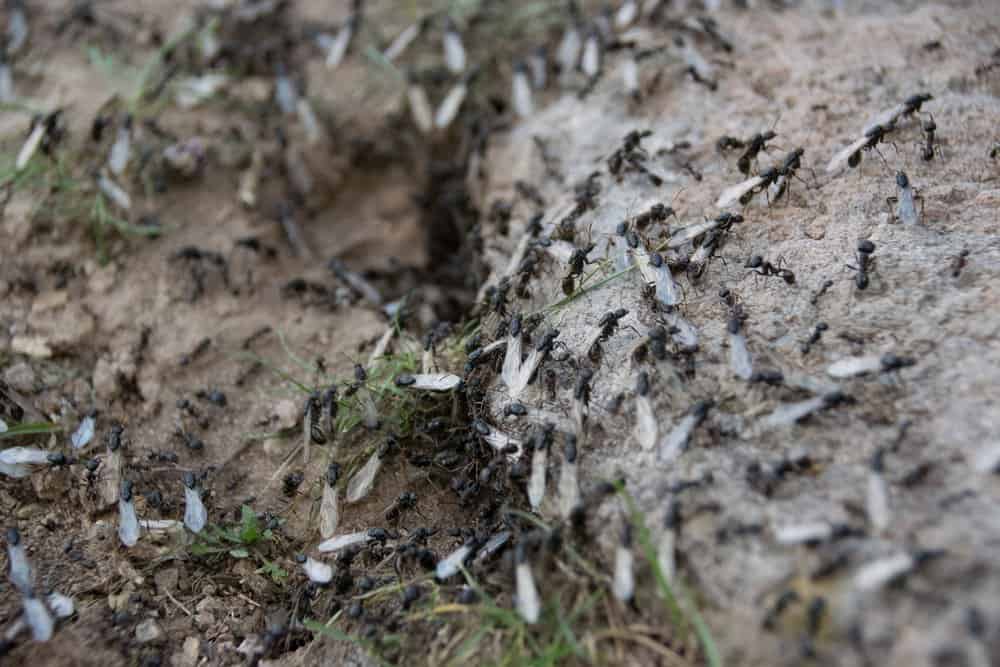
(499, 441)
(732, 194)
(30, 147)
(450, 106)
(448, 566)
(128, 523)
(840, 159)
(691, 232)
(195, 515)
(529, 606)
(569, 488)
(338, 45)
(317, 571)
(623, 580)
(872, 576)
(329, 512)
(493, 546)
(402, 42)
(887, 117)
(660, 277)
(435, 382)
(739, 356)
(363, 481)
(854, 366)
(645, 430)
(677, 440)
(343, 541)
(38, 618)
(83, 434)
(420, 108)
(801, 533)
(686, 334)
(788, 413)
(17, 456)
(536, 483)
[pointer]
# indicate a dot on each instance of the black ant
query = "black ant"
(864, 258)
(929, 127)
(762, 267)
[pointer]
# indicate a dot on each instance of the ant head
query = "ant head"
(755, 262)
(901, 179)
(770, 134)
(866, 247)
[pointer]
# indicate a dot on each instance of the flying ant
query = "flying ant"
(762, 267)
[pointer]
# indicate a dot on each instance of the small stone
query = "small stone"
(988, 198)
(32, 346)
(148, 631)
(815, 230)
(21, 377)
(166, 579)
(188, 656)
(287, 413)
(27, 511)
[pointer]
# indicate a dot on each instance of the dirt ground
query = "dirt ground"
(127, 337)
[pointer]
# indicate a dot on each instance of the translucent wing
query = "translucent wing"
(877, 501)
(493, 546)
(527, 371)
(343, 541)
(39, 619)
(529, 605)
(329, 512)
(338, 47)
(435, 382)
(120, 151)
(521, 91)
(623, 582)
(906, 208)
(569, 488)
(195, 515)
(448, 566)
(840, 159)
(128, 523)
(420, 108)
(666, 554)
(454, 52)
(30, 146)
(802, 533)
(645, 430)
(317, 571)
(114, 192)
(626, 14)
(688, 234)
(660, 277)
(450, 106)
(789, 413)
(676, 441)
(24, 456)
(381, 345)
(732, 194)
(310, 124)
(363, 481)
(500, 440)
(510, 372)
(739, 356)
(591, 63)
(20, 568)
(536, 483)
(877, 574)
(402, 42)
(682, 331)
(83, 434)
(568, 53)
(885, 118)
(854, 366)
